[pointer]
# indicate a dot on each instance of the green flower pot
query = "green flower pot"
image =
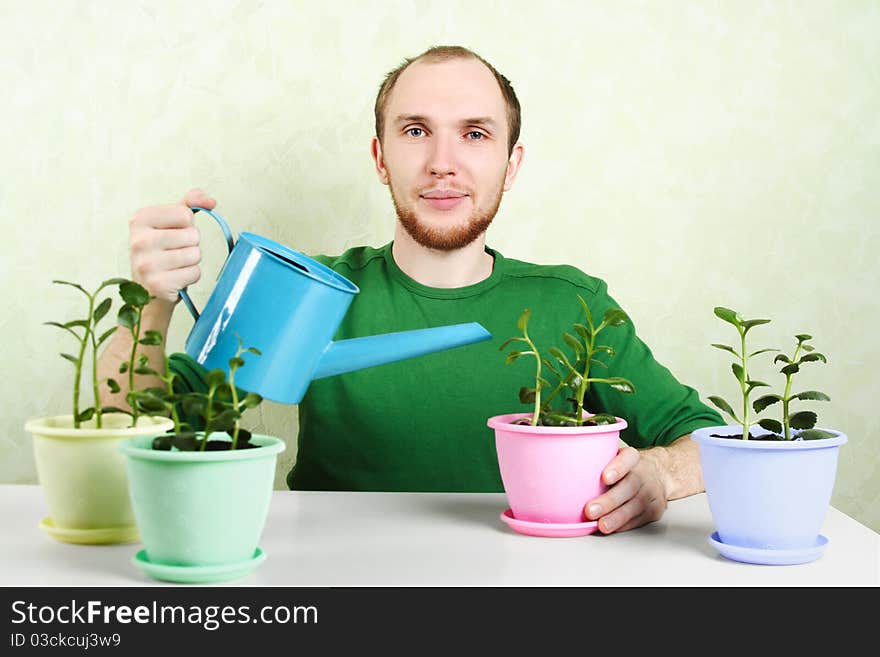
(83, 476)
(200, 514)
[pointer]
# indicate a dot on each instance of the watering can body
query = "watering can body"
(288, 306)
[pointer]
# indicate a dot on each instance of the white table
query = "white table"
(441, 539)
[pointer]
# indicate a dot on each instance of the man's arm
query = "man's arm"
(643, 481)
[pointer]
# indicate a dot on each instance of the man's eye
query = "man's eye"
(475, 135)
(415, 132)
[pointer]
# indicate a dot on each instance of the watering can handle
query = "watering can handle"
(229, 242)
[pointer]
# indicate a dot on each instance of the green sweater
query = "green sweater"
(420, 424)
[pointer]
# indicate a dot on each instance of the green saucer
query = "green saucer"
(198, 574)
(101, 536)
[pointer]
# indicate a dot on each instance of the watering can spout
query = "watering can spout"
(358, 353)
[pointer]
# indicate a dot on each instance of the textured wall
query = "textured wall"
(690, 153)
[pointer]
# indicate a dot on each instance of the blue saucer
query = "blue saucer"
(770, 557)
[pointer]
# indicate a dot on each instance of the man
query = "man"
(446, 144)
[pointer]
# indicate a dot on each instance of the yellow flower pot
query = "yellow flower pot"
(83, 476)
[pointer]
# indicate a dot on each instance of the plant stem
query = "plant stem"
(742, 384)
(585, 376)
(785, 398)
(234, 393)
(82, 352)
(135, 334)
(169, 383)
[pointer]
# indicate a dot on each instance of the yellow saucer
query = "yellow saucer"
(100, 536)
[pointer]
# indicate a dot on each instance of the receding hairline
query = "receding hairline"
(439, 55)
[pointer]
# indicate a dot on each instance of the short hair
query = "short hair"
(443, 54)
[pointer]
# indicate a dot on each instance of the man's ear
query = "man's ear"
(513, 164)
(379, 161)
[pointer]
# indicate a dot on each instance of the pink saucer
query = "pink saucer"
(549, 529)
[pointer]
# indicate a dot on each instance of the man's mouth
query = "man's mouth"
(443, 199)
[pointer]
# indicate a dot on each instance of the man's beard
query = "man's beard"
(451, 238)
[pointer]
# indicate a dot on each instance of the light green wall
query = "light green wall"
(691, 153)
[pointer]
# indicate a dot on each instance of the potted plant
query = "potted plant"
(768, 482)
(79, 468)
(201, 497)
(551, 459)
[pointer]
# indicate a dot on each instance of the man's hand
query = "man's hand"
(641, 483)
(164, 246)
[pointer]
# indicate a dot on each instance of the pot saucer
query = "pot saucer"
(549, 529)
(198, 574)
(100, 536)
(767, 556)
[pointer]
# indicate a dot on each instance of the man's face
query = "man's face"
(444, 151)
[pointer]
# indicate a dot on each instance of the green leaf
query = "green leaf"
(814, 395)
(603, 418)
(802, 420)
(101, 310)
(615, 317)
(106, 334)
(808, 347)
(763, 402)
(755, 384)
(216, 378)
(543, 383)
(114, 387)
(143, 359)
(146, 371)
(85, 415)
(523, 321)
(618, 383)
(808, 358)
(724, 406)
(549, 364)
(113, 281)
(584, 332)
(509, 340)
(791, 368)
(574, 343)
(774, 426)
(151, 338)
(235, 363)
(761, 351)
(254, 350)
(512, 356)
(738, 372)
(561, 357)
(224, 421)
(66, 328)
(816, 434)
(586, 308)
(803, 337)
(251, 400)
(127, 317)
(604, 347)
(527, 395)
(123, 367)
(134, 294)
(194, 404)
(751, 323)
(729, 316)
(78, 287)
(724, 347)
(77, 322)
(599, 363)
(72, 359)
(781, 358)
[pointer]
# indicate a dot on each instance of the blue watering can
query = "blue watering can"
(289, 306)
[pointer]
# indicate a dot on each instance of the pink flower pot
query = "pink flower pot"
(550, 473)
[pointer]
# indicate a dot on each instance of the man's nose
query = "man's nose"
(441, 159)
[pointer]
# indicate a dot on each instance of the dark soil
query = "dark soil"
(738, 436)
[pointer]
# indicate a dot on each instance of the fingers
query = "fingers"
(198, 198)
(627, 458)
(164, 245)
(613, 498)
